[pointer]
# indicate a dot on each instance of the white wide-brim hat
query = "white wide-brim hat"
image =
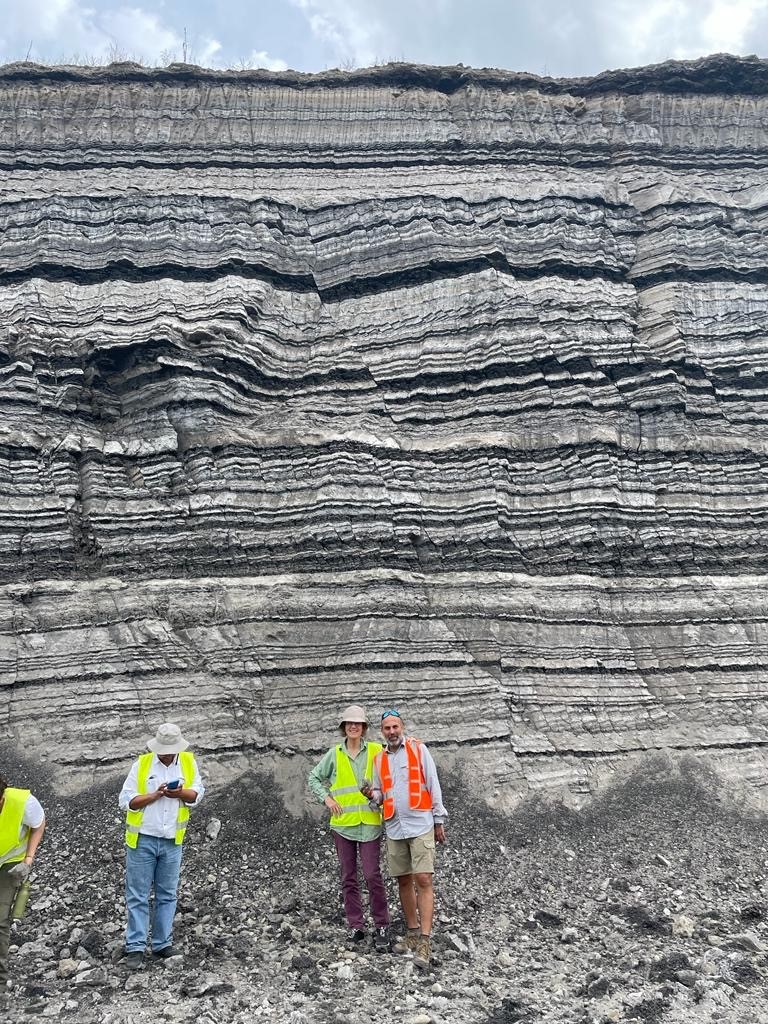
(168, 740)
(354, 713)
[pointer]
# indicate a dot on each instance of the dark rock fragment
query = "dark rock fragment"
(667, 967)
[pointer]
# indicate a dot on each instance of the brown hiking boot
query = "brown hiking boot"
(406, 943)
(422, 952)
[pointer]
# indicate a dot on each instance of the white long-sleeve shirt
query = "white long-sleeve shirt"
(160, 817)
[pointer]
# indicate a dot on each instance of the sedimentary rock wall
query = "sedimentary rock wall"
(421, 386)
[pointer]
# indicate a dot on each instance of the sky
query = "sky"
(546, 37)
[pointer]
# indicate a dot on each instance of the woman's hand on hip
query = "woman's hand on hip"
(333, 806)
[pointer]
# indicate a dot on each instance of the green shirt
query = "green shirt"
(323, 776)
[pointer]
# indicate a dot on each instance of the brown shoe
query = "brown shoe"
(422, 952)
(406, 943)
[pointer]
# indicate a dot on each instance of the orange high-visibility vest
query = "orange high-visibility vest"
(419, 797)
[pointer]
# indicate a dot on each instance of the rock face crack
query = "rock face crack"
(432, 386)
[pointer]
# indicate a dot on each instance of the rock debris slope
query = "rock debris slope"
(648, 905)
(436, 386)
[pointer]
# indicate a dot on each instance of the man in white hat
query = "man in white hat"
(160, 788)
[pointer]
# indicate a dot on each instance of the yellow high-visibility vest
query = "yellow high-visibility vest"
(133, 819)
(13, 840)
(345, 790)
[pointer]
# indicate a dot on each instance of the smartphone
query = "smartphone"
(173, 785)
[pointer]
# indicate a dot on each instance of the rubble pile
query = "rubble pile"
(650, 904)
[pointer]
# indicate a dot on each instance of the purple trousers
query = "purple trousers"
(347, 850)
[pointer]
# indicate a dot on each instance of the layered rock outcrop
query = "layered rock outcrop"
(435, 387)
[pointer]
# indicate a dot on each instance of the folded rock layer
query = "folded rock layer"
(430, 387)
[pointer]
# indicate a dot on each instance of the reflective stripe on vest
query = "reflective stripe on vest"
(13, 835)
(133, 819)
(419, 797)
(346, 792)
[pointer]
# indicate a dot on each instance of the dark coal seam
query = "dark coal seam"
(614, 564)
(247, 382)
(426, 663)
(403, 391)
(616, 751)
(436, 270)
(672, 670)
(510, 674)
(626, 215)
(678, 272)
(454, 416)
(496, 377)
(398, 615)
(115, 358)
(357, 287)
(514, 156)
(123, 270)
(285, 750)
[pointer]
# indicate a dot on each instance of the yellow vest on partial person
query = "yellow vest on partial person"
(13, 836)
(133, 819)
(346, 792)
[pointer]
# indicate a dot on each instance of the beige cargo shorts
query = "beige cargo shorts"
(411, 856)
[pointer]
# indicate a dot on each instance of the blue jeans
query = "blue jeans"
(154, 862)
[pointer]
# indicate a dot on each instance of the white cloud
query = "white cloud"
(351, 31)
(683, 29)
(136, 31)
(52, 28)
(68, 29)
(261, 59)
(726, 25)
(210, 54)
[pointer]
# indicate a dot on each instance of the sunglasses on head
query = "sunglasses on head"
(391, 714)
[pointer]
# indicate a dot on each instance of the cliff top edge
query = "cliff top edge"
(721, 73)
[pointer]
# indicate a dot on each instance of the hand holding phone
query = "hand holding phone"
(173, 785)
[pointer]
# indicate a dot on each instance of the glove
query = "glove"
(20, 872)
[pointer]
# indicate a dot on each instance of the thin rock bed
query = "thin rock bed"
(650, 904)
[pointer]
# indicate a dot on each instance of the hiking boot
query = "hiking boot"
(422, 952)
(406, 943)
(134, 961)
(354, 936)
(381, 940)
(166, 952)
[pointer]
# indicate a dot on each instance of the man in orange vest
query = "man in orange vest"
(406, 785)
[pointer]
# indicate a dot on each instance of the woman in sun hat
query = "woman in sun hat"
(336, 781)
